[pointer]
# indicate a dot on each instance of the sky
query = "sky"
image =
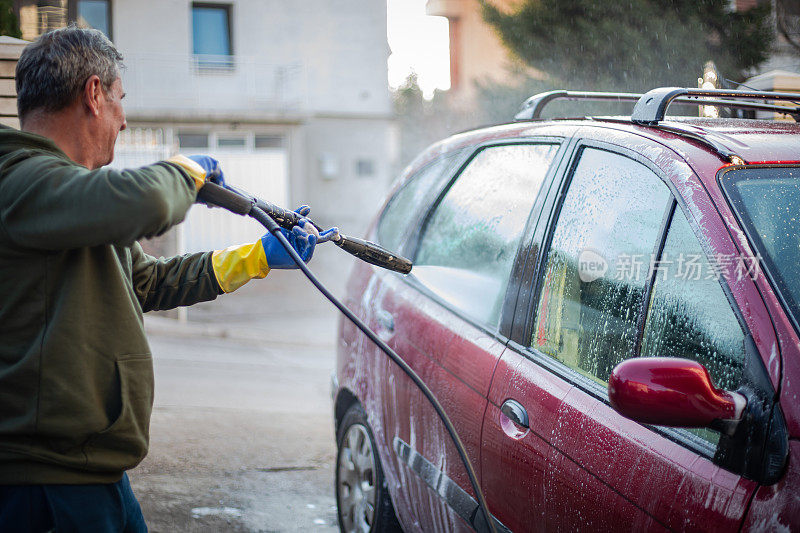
(419, 43)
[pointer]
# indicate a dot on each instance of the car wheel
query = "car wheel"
(362, 497)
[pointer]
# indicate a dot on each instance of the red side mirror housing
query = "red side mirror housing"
(666, 391)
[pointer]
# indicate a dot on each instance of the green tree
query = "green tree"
(9, 25)
(633, 45)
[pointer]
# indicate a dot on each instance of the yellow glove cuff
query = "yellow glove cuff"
(197, 172)
(236, 265)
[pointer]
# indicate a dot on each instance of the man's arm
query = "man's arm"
(51, 204)
(169, 283)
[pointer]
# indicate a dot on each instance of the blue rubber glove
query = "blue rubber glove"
(236, 265)
(211, 166)
(303, 238)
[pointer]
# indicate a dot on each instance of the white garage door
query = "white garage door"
(264, 174)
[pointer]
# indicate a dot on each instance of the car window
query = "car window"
(767, 201)
(396, 223)
(467, 248)
(689, 315)
(596, 269)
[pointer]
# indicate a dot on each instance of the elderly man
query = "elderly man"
(76, 375)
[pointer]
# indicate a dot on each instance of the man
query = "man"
(76, 376)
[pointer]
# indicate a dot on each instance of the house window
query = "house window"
(232, 141)
(39, 16)
(94, 14)
(193, 140)
(268, 141)
(211, 34)
(365, 168)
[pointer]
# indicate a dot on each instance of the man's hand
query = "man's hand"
(235, 266)
(211, 166)
(303, 238)
(201, 168)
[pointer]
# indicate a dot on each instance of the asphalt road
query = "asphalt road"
(242, 430)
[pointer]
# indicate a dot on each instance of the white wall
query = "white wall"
(339, 47)
(345, 198)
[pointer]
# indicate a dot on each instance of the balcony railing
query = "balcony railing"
(212, 85)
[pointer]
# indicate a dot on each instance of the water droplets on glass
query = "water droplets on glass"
(468, 246)
(614, 208)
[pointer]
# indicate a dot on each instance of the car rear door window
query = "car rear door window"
(397, 220)
(467, 248)
(767, 202)
(597, 265)
(689, 315)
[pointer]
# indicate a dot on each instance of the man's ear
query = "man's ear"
(92, 94)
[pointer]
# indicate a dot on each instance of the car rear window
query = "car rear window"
(767, 202)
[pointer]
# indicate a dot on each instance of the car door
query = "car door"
(445, 320)
(607, 289)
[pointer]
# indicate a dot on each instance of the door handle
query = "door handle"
(515, 412)
(386, 320)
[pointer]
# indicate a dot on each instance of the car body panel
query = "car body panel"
(398, 410)
(582, 466)
(456, 361)
(753, 140)
(790, 385)
(613, 454)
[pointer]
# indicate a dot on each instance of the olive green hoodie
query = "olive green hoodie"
(76, 375)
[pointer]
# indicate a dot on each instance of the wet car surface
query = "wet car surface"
(545, 254)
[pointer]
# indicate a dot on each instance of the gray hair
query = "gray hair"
(53, 70)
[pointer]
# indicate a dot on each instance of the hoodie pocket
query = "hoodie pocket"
(123, 444)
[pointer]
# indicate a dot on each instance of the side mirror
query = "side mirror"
(667, 391)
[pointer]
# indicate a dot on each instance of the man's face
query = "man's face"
(112, 121)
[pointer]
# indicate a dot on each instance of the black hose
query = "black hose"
(273, 228)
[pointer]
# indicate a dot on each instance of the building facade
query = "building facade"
(476, 52)
(292, 97)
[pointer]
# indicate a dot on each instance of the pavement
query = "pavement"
(242, 428)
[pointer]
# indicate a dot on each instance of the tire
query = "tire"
(363, 504)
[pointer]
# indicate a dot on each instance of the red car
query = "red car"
(607, 309)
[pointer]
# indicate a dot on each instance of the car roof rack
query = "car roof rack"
(651, 107)
(532, 107)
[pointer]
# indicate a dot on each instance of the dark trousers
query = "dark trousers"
(71, 508)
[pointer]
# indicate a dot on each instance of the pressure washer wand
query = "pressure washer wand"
(365, 250)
